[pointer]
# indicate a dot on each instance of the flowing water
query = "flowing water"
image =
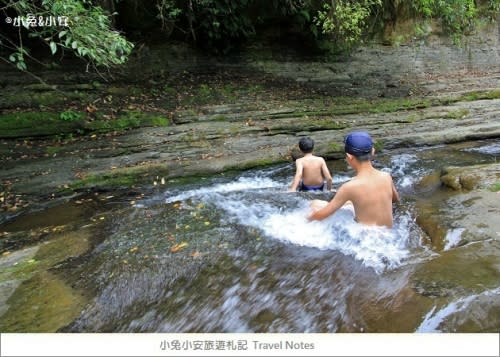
(235, 253)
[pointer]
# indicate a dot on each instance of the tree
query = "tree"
(72, 25)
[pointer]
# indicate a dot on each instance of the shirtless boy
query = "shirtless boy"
(371, 192)
(311, 171)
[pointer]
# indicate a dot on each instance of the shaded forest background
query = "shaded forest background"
(104, 32)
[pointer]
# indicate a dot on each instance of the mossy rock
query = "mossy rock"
(122, 177)
(36, 124)
(33, 124)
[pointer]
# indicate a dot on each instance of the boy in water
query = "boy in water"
(311, 171)
(370, 193)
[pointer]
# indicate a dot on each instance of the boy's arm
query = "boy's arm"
(298, 175)
(338, 201)
(327, 176)
(395, 194)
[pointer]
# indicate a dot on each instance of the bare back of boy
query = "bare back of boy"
(371, 193)
(313, 170)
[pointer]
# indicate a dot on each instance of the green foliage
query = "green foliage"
(495, 187)
(345, 21)
(168, 13)
(219, 25)
(70, 115)
(77, 26)
(456, 16)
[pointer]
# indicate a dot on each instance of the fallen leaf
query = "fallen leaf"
(91, 108)
(195, 254)
(177, 247)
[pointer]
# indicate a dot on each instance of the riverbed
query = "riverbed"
(233, 252)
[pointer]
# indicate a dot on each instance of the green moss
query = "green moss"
(129, 120)
(69, 115)
(169, 91)
(41, 304)
(220, 117)
(51, 150)
(32, 124)
(495, 187)
(123, 177)
(378, 145)
(22, 270)
(23, 124)
(336, 147)
(480, 95)
(412, 118)
(35, 98)
(263, 162)
(159, 121)
(457, 114)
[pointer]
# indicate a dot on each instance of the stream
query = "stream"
(235, 253)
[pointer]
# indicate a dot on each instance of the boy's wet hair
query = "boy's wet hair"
(306, 145)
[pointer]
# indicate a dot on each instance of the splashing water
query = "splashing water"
(262, 203)
(492, 149)
(243, 183)
(453, 237)
(401, 167)
(434, 319)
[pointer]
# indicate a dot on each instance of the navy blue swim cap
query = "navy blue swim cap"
(358, 143)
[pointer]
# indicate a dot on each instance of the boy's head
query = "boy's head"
(359, 144)
(306, 145)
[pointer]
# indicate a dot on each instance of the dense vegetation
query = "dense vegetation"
(88, 28)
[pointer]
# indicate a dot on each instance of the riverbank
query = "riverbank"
(255, 128)
(174, 114)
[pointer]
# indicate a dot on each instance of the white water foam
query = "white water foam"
(282, 215)
(402, 170)
(243, 183)
(487, 149)
(376, 247)
(453, 237)
(433, 319)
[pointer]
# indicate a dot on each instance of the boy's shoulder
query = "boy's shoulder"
(383, 173)
(315, 157)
